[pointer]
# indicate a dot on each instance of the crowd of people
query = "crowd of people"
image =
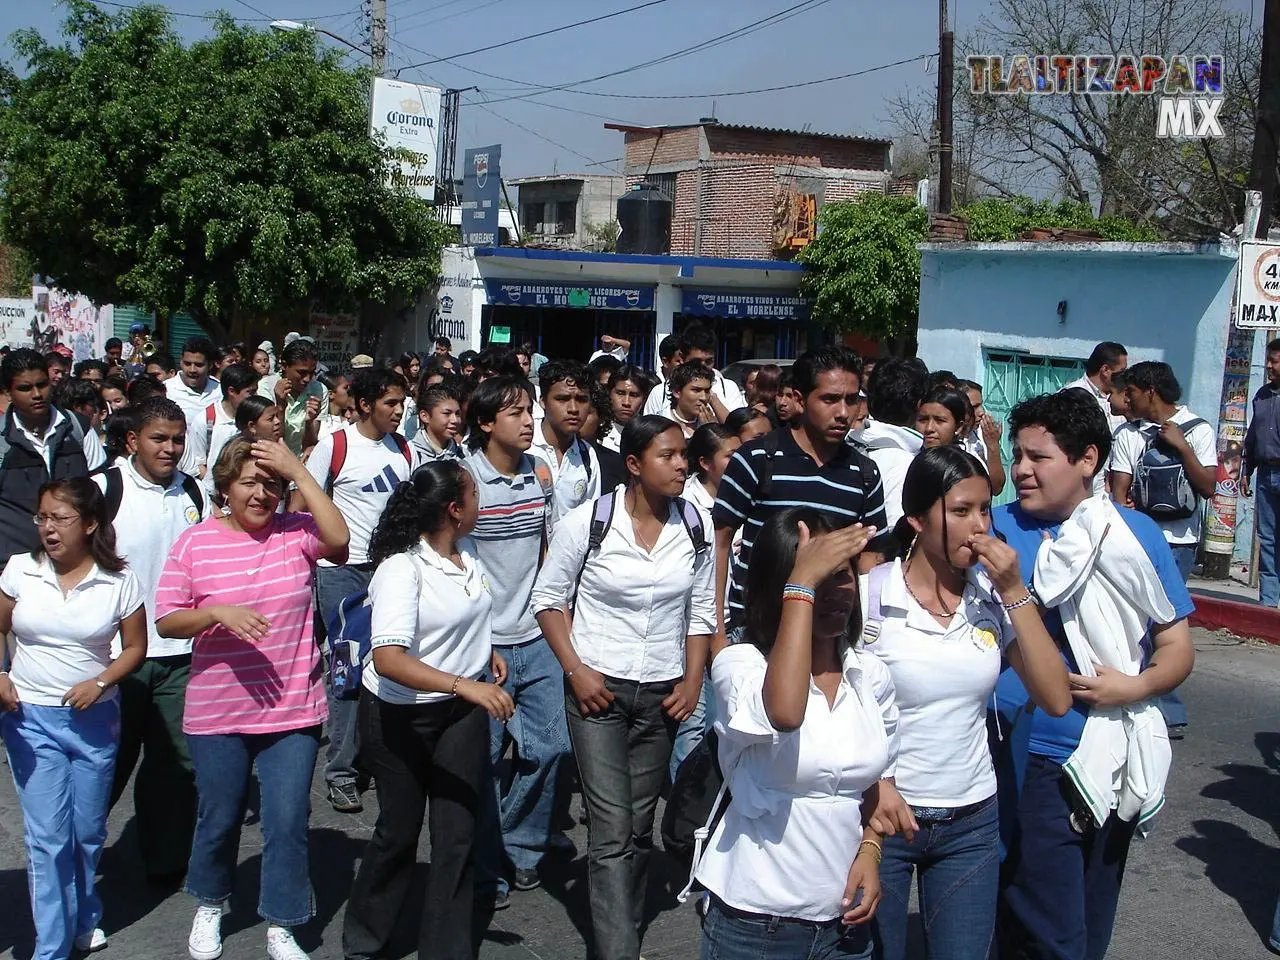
(481, 582)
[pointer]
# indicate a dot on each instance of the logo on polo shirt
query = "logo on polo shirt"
(384, 482)
(986, 636)
(580, 489)
(191, 514)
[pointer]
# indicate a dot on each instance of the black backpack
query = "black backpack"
(115, 492)
(1160, 487)
(692, 812)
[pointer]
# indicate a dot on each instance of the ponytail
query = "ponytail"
(418, 505)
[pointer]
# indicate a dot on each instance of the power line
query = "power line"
(213, 16)
(401, 21)
(543, 33)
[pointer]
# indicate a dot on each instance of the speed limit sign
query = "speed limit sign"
(1258, 285)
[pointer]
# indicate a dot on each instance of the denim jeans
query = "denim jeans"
(1059, 889)
(285, 763)
(957, 866)
(62, 761)
(415, 752)
(623, 753)
(333, 585)
(1267, 504)
(526, 809)
(729, 934)
(691, 731)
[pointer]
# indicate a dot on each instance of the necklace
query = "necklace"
(948, 614)
(635, 527)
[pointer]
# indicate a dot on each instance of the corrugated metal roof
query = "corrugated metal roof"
(625, 127)
(553, 177)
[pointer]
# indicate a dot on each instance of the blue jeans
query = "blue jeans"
(285, 763)
(333, 585)
(526, 810)
(957, 866)
(1267, 503)
(729, 934)
(63, 761)
(690, 732)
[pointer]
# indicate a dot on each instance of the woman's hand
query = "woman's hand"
(83, 695)
(818, 557)
(490, 697)
(890, 814)
(283, 391)
(589, 690)
(862, 890)
(9, 698)
(683, 700)
(275, 457)
(991, 430)
(498, 667)
(1001, 563)
(245, 623)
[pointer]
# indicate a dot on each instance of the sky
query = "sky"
(563, 130)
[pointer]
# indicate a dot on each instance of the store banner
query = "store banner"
(481, 186)
(591, 296)
(740, 305)
(407, 116)
(337, 337)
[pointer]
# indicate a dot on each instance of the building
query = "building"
(562, 209)
(750, 192)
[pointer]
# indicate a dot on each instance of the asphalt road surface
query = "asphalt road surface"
(1203, 885)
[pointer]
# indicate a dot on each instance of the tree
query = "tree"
(863, 268)
(235, 175)
(997, 219)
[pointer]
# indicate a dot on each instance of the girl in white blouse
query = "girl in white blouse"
(424, 712)
(806, 724)
(633, 658)
(61, 720)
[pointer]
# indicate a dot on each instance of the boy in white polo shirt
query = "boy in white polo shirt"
(193, 389)
(565, 391)
(358, 466)
(151, 502)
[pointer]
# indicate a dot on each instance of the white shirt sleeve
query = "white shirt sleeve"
(1127, 449)
(556, 581)
(702, 598)
(737, 676)
(393, 593)
(882, 686)
(1204, 444)
(12, 576)
(130, 596)
(95, 454)
(729, 392)
(320, 459)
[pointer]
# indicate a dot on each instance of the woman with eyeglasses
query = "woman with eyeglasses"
(64, 603)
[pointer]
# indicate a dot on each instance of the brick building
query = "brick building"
(742, 191)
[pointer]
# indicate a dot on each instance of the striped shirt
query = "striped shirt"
(508, 540)
(836, 489)
(239, 687)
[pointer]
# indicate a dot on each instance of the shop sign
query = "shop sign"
(740, 305)
(596, 296)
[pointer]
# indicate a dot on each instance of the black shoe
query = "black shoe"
(345, 798)
(1178, 731)
(492, 898)
(527, 880)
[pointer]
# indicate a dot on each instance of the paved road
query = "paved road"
(1203, 885)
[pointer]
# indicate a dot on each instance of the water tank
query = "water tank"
(644, 214)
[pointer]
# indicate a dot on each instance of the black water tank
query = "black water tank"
(644, 214)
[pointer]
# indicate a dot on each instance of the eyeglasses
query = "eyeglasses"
(41, 519)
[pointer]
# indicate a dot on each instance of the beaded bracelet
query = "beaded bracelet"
(457, 679)
(875, 846)
(794, 591)
(1010, 607)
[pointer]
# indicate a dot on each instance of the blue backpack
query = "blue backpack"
(350, 632)
(1160, 487)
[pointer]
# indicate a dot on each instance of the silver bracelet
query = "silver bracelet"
(1010, 607)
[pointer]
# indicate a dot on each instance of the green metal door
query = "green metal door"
(1014, 377)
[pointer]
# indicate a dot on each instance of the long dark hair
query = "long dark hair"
(772, 556)
(638, 436)
(705, 444)
(251, 408)
(418, 505)
(930, 477)
(84, 497)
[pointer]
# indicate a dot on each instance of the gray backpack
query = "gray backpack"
(1160, 488)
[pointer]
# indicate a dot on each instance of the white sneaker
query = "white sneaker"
(205, 942)
(282, 946)
(92, 942)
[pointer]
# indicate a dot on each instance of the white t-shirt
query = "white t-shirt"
(577, 480)
(369, 475)
(943, 678)
(62, 641)
(1130, 444)
(441, 614)
(194, 405)
(150, 519)
(730, 394)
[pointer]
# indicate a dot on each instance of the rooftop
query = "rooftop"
(746, 128)
(563, 177)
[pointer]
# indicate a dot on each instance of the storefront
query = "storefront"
(751, 325)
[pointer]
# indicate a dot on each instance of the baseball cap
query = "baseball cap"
(138, 328)
(361, 361)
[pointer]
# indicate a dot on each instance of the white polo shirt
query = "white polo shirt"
(634, 607)
(150, 519)
(794, 822)
(63, 640)
(441, 614)
(943, 678)
(1113, 422)
(576, 480)
(194, 404)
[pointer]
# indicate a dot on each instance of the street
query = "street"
(1203, 885)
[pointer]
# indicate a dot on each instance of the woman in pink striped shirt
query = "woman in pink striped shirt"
(240, 585)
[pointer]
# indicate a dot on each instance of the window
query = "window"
(665, 182)
(567, 216)
(531, 217)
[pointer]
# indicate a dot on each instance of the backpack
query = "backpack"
(764, 471)
(696, 803)
(114, 492)
(350, 632)
(876, 580)
(1160, 487)
(602, 520)
(339, 457)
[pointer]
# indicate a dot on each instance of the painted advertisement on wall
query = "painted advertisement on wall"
(15, 321)
(69, 319)
(1222, 517)
(337, 338)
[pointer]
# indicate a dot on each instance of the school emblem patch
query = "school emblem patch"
(191, 514)
(985, 635)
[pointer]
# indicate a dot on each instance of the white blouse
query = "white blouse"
(792, 829)
(440, 613)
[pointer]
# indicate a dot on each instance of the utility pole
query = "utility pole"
(378, 36)
(1262, 169)
(946, 91)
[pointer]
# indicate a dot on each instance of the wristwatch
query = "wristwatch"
(102, 684)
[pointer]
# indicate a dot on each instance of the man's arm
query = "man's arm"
(1120, 484)
(724, 545)
(1202, 476)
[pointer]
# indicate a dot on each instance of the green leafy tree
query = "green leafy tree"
(863, 269)
(996, 219)
(231, 176)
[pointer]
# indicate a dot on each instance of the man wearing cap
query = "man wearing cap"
(361, 361)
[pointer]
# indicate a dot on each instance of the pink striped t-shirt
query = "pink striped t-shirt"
(236, 686)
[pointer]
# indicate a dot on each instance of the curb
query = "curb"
(1242, 619)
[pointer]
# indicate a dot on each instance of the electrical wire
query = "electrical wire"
(213, 16)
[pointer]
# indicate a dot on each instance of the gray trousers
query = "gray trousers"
(622, 756)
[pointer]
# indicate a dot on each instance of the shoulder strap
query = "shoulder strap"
(191, 487)
(1192, 424)
(584, 451)
(876, 580)
(405, 450)
(601, 521)
(764, 469)
(337, 460)
(692, 521)
(77, 428)
(114, 492)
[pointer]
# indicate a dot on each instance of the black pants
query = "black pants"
(436, 750)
